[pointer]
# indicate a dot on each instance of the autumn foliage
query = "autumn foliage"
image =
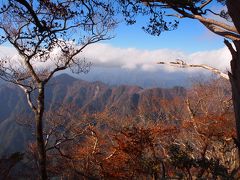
(190, 137)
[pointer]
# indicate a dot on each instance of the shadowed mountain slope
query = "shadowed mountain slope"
(88, 97)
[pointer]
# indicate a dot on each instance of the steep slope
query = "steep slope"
(12, 105)
(85, 96)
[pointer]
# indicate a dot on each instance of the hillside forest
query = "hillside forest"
(54, 126)
(164, 134)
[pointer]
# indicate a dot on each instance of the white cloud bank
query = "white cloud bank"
(105, 55)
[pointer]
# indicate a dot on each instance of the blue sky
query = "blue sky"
(133, 50)
(131, 57)
(190, 36)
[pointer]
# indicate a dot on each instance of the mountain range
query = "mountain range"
(88, 97)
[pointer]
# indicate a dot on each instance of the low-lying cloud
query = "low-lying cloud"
(116, 66)
(104, 55)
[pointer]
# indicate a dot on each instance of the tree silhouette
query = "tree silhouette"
(49, 36)
(164, 15)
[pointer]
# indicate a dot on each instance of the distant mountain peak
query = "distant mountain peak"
(65, 77)
(87, 97)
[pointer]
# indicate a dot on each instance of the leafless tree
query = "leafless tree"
(224, 23)
(49, 36)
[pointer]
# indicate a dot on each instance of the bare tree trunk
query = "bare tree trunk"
(39, 132)
(234, 76)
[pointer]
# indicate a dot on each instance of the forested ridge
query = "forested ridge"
(81, 130)
(86, 97)
(129, 133)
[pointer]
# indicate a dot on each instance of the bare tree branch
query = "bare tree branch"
(182, 64)
(29, 99)
(205, 4)
(38, 28)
